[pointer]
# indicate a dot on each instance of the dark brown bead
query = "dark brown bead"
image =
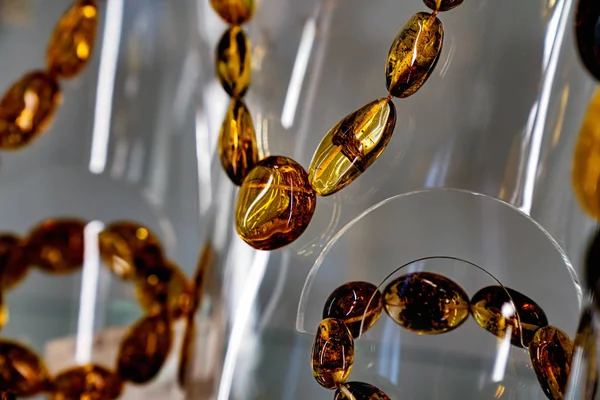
(166, 287)
(551, 352)
(486, 307)
(22, 371)
(348, 303)
(332, 353)
(13, 264)
(587, 18)
(6, 395)
(359, 391)
(89, 382)
(442, 5)
(426, 303)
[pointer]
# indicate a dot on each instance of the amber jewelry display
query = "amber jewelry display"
(27, 107)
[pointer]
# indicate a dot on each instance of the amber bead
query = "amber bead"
(237, 142)
(442, 5)
(233, 61)
(588, 42)
(89, 382)
(57, 245)
(551, 352)
(144, 244)
(145, 348)
(13, 264)
(72, 41)
(21, 370)
(234, 11)
(351, 146)
(116, 254)
(414, 54)
(426, 303)
(349, 302)
(332, 353)
(27, 108)
(486, 307)
(165, 287)
(359, 391)
(275, 204)
(6, 395)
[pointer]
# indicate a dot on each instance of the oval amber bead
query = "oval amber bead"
(237, 142)
(332, 353)
(86, 382)
(165, 287)
(13, 264)
(275, 204)
(587, 18)
(233, 61)
(234, 11)
(145, 348)
(414, 54)
(352, 303)
(486, 307)
(426, 303)
(72, 41)
(116, 254)
(551, 352)
(443, 5)
(21, 370)
(351, 146)
(27, 108)
(359, 391)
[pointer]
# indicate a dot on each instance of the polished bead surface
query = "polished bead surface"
(351, 146)
(27, 108)
(359, 391)
(349, 302)
(145, 348)
(165, 287)
(116, 254)
(233, 61)
(89, 382)
(57, 245)
(414, 54)
(587, 19)
(551, 352)
(237, 142)
(332, 353)
(21, 370)
(143, 243)
(13, 264)
(426, 303)
(443, 5)
(487, 309)
(275, 204)
(234, 11)
(72, 41)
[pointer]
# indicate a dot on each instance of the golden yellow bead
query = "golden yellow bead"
(22, 371)
(414, 54)
(89, 382)
(351, 146)
(165, 287)
(551, 352)
(332, 353)
(233, 61)
(234, 11)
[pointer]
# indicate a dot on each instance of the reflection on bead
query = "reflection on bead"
(13, 264)
(116, 254)
(359, 391)
(551, 352)
(348, 303)
(414, 54)
(586, 31)
(90, 381)
(234, 11)
(165, 287)
(332, 353)
(443, 5)
(21, 370)
(237, 142)
(426, 303)
(27, 108)
(145, 348)
(275, 204)
(487, 309)
(143, 243)
(233, 61)
(6, 395)
(72, 41)
(57, 245)
(351, 146)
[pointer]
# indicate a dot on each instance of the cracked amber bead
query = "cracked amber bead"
(165, 287)
(57, 245)
(414, 54)
(332, 353)
(235, 12)
(426, 303)
(72, 41)
(586, 32)
(351, 146)
(21, 370)
(237, 142)
(27, 108)
(359, 391)
(90, 382)
(233, 61)
(13, 264)
(275, 204)
(443, 5)
(551, 352)
(486, 307)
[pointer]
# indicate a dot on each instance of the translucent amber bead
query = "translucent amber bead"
(6, 395)
(486, 307)
(234, 11)
(414, 54)
(349, 302)
(57, 245)
(116, 254)
(275, 204)
(359, 391)
(21, 370)
(72, 41)
(551, 352)
(426, 303)
(27, 108)
(89, 382)
(586, 31)
(145, 348)
(233, 61)
(165, 287)
(351, 146)
(237, 142)
(13, 264)
(443, 5)
(332, 353)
